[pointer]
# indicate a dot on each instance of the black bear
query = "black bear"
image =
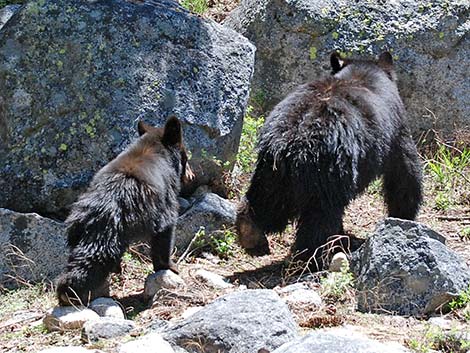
(132, 198)
(321, 146)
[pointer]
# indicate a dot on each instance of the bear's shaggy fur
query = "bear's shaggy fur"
(321, 146)
(134, 197)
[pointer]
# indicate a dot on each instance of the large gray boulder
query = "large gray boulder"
(76, 75)
(429, 40)
(32, 248)
(405, 268)
(240, 322)
(343, 340)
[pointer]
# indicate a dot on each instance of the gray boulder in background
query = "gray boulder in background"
(239, 322)
(209, 212)
(76, 76)
(405, 268)
(32, 248)
(7, 12)
(429, 41)
(338, 341)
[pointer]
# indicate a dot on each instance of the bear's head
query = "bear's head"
(348, 67)
(250, 236)
(171, 136)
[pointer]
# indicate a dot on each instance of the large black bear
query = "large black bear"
(321, 146)
(134, 197)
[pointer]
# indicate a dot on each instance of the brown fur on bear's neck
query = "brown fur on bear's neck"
(141, 159)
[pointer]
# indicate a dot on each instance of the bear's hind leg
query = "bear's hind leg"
(84, 281)
(162, 244)
(403, 179)
(88, 269)
(314, 228)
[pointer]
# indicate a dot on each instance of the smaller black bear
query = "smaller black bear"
(132, 198)
(321, 146)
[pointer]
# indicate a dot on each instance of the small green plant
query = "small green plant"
(4, 3)
(442, 201)
(434, 339)
(223, 245)
(462, 300)
(375, 188)
(196, 6)
(449, 168)
(337, 284)
(246, 157)
(419, 346)
(200, 238)
(465, 233)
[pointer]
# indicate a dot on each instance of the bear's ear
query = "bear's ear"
(385, 60)
(336, 62)
(142, 127)
(173, 133)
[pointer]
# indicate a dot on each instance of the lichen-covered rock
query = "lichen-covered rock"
(75, 77)
(429, 40)
(405, 268)
(7, 12)
(32, 248)
(239, 322)
(208, 213)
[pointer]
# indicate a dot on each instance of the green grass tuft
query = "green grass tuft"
(196, 6)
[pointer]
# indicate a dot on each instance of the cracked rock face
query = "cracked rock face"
(405, 268)
(429, 41)
(76, 76)
(32, 248)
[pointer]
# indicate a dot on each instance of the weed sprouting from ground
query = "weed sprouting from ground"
(461, 300)
(337, 285)
(435, 339)
(223, 244)
(465, 233)
(449, 167)
(246, 157)
(30, 298)
(196, 6)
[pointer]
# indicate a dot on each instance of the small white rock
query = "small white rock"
(62, 318)
(107, 307)
(164, 279)
(291, 288)
(339, 261)
(303, 297)
(190, 311)
(443, 323)
(151, 343)
(212, 279)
